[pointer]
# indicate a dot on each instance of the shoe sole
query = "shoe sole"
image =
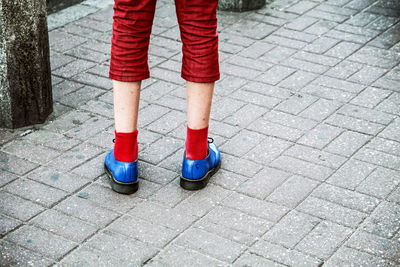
(191, 184)
(122, 188)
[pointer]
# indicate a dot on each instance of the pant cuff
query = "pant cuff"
(124, 78)
(201, 79)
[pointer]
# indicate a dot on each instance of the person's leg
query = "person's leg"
(128, 67)
(200, 68)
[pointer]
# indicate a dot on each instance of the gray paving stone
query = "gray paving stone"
(346, 257)
(245, 115)
(210, 244)
(347, 143)
(144, 231)
(126, 249)
(7, 224)
(302, 167)
(292, 228)
(92, 168)
(320, 109)
(378, 157)
(379, 183)
(161, 215)
(256, 98)
(85, 256)
(293, 191)
(204, 201)
(36, 192)
(53, 140)
(17, 207)
(153, 153)
(13, 255)
(290, 120)
(63, 225)
(41, 241)
(323, 240)
(330, 211)
(384, 221)
(283, 255)
(263, 183)
(384, 145)
(327, 93)
(6, 177)
(275, 75)
(320, 136)
(274, 146)
(242, 143)
(355, 124)
(75, 156)
(366, 114)
(250, 259)
(55, 178)
(86, 210)
(175, 255)
(32, 152)
(344, 69)
(157, 174)
(392, 131)
(296, 103)
(241, 166)
(276, 130)
(375, 245)
(256, 207)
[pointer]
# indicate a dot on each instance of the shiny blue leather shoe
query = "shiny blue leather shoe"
(123, 175)
(196, 173)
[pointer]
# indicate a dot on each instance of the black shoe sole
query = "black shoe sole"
(198, 184)
(122, 188)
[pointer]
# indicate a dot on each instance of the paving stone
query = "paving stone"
(287, 42)
(240, 166)
(276, 130)
(344, 69)
(13, 255)
(320, 27)
(343, 49)
(63, 225)
(357, 170)
(86, 210)
(301, 167)
(75, 156)
(297, 80)
(175, 255)
(161, 215)
(323, 240)
(250, 259)
(204, 201)
(384, 145)
(305, 65)
(354, 124)
(367, 75)
(67, 121)
(346, 198)
(128, 250)
(366, 114)
(87, 256)
(144, 231)
(92, 168)
(41, 241)
(292, 228)
(107, 198)
(17, 207)
(395, 196)
(263, 183)
(32, 152)
(210, 244)
(53, 140)
(378, 157)
(277, 54)
(330, 211)
(289, 120)
(302, 7)
(390, 104)
(6, 177)
(256, 98)
(156, 174)
(275, 75)
(292, 191)
(320, 136)
(347, 143)
(345, 256)
(374, 245)
(283, 255)
(296, 103)
(255, 207)
(273, 145)
(89, 128)
(328, 93)
(392, 131)
(242, 143)
(267, 89)
(379, 183)
(384, 221)
(7, 224)
(245, 115)
(36, 192)
(57, 179)
(320, 109)
(236, 220)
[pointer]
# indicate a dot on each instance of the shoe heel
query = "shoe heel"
(198, 184)
(126, 189)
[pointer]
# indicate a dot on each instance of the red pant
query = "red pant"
(132, 25)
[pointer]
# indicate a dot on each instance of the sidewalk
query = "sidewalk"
(306, 115)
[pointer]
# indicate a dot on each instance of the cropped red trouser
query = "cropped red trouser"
(133, 20)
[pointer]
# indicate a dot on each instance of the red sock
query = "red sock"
(126, 146)
(196, 145)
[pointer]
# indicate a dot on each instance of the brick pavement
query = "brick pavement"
(307, 118)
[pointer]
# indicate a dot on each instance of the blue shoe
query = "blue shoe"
(197, 173)
(123, 175)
